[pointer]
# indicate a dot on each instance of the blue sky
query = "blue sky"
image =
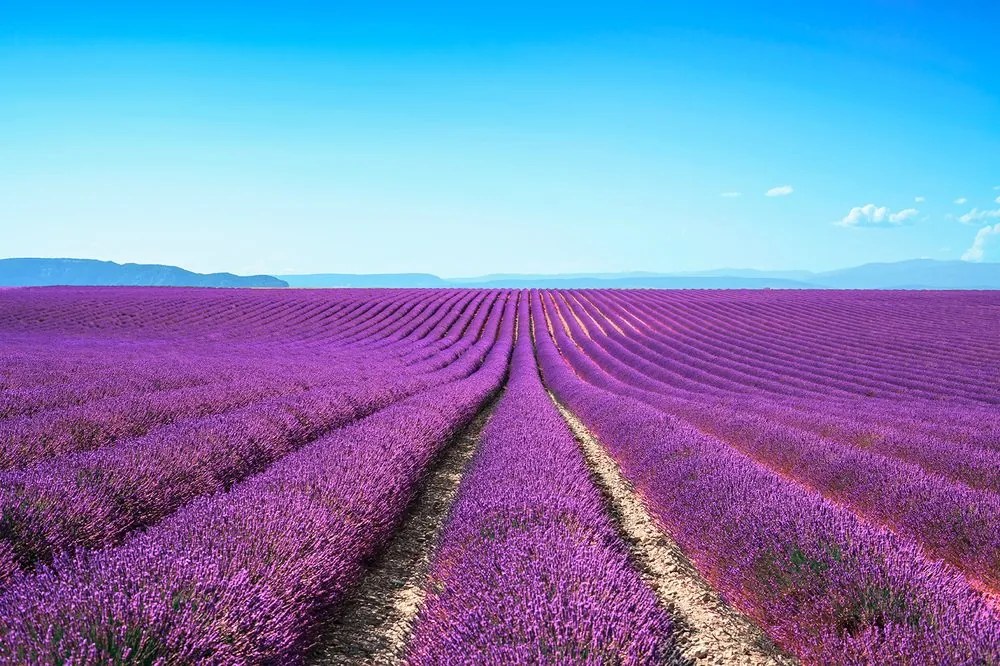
(385, 137)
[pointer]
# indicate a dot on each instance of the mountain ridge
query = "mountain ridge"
(909, 274)
(43, 272)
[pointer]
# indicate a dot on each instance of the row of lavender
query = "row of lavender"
(227, 379)
(245, 576)
(959, 441)
(847, 338)
(827, 367)
(262, 516)
(531, 569)
(822, 369)
(96, 498)
(130, 361)
(945, 516)
(834, 549)
(292, 318)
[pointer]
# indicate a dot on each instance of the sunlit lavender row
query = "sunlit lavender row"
(530, 569)
(201, 476)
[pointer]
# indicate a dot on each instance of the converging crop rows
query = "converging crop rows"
(461, 476)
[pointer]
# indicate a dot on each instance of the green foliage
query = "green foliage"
(794, 570)
(876, 606)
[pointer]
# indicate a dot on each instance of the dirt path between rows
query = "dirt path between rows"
(711, 632)
(373, 626)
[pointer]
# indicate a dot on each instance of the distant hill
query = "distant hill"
(357, 281)
(801, 276)
(515, 281)
(913, 274)
(91, 272)
(652, 282)
(501, 277)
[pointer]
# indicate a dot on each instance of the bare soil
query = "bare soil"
(710, 630)
(373, 625)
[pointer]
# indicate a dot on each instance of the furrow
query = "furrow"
(373, 625)
(710, 631)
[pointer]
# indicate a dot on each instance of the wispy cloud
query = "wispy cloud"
(731, 195)
(871, 215)
(780, 191)
(984, 237)
(997, 200)
(903, 215)
(961, 200)
(919, 199)
(976, 215)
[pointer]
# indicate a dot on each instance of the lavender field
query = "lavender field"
(467, 476)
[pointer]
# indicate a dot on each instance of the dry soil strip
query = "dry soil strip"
(373, 626)
(711, 631)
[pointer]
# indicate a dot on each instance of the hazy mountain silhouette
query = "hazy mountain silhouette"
(913, 274)
(80, 272)
(612, 281)
(361, 280)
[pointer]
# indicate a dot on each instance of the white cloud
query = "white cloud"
(780, 191)
(977, 251)
(903, 215)
(919, 199)
(871, 215)
(732, 195)
(997, 200)
(976, 215)
(961, 200)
